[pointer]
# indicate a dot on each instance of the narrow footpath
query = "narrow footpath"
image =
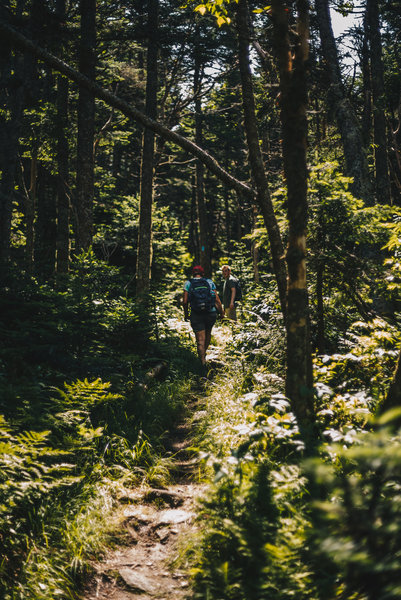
(155, 523)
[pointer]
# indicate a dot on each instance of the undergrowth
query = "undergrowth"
(90, 386)
(273, 525)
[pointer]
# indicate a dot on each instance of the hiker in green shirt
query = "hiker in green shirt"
(229, 293)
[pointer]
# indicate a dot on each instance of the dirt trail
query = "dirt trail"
(154, 522)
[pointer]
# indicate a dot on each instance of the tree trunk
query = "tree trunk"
(8, 161)
(382, 180)
(321, 342)
(30, 209)
(393, 398)
(63, 204)
(255, 248)
(351, 136)
(45, 225)
(11, 105)
(255, 155)
(144, 259)
(293, 104)
(194, 227)
(367, 86)
(86, 128)
(227, 221)
(204, 231)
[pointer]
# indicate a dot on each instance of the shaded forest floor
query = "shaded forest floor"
(156, 522)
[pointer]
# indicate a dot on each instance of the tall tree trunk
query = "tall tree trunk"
(9, 129)
(393, 398)
(30, 209)
(367, 86)
(63, 203)
(194, 227)
(227, 221)
(86, 128)
(144, 259)
(351, 135)
(255, 154)
(293, 104)
(382, 180)
(204, 230)
(227, 215)
(11, 105)
(45, 226)
(321, 341)
(255, 248)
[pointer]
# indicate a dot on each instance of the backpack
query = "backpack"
(238, 287)
(201, 297)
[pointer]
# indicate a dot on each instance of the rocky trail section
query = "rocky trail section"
(156, 521)
(142, 569)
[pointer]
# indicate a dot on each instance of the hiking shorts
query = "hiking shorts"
(203, 321)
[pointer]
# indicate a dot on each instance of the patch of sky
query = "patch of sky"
(342, 23)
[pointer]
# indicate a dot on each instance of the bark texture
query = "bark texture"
(393, 398)
(382, 178)
(86, 127)
(204, 230)
(347, 123)
(144, 260)
(255, 154)
(30, 209)
(63, 203)
(292, 60)
(11, 70)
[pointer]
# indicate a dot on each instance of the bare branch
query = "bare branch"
(22, 42)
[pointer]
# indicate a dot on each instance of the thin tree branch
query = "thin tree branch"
(20, 41)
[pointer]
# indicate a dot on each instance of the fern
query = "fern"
(31, 473)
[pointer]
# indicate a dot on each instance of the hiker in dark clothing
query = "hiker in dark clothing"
(229, 293)
(201, 296)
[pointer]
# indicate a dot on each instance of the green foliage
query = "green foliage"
(392, 264)
(241, 519)
(346, 240)
(355, 538)
(116, 240)
(31, 475)
(352, 384)
(346, 543)
(77, 361)
(253, 517)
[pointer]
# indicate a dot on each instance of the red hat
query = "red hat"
(198, 270)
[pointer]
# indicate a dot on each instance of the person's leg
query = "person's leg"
(200, 344)
(209, 323)
(208, 337)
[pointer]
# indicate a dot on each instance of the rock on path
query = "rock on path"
(155, 521)
(143, 568)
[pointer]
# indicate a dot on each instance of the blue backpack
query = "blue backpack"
(201, 297)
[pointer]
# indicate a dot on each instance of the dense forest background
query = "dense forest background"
(136, 140)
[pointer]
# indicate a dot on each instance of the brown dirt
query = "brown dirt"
(154, 524)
